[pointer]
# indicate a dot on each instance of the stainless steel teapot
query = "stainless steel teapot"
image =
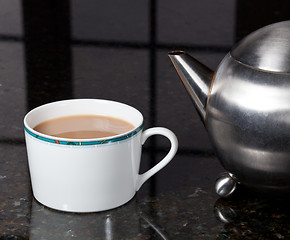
(245, 106)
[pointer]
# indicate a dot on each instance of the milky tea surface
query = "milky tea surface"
(84, 127)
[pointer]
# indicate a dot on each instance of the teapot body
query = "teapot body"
(245, 107)
(248, 122)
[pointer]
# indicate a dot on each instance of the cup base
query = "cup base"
(91, 209)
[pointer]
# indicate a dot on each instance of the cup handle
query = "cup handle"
(174, 145)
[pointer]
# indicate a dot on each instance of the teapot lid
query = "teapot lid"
(266, 49)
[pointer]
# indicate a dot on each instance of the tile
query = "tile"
(11, 17)
(110, 20)
(199, 22)
(12, 90)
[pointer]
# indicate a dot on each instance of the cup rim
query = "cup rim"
(86, 141)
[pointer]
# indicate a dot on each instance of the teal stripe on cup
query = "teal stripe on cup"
(86, 143)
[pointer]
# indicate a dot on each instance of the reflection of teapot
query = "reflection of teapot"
(253, 218)
(245, 106)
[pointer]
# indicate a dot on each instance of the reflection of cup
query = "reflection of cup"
(125, 222)
(54, 225)
(88, 175)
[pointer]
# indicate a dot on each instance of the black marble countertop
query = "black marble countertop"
(117, 50)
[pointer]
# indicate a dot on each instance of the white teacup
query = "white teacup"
(88, 175)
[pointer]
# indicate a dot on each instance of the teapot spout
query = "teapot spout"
(196, 78)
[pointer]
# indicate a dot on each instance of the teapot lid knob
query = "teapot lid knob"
(266, 49)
